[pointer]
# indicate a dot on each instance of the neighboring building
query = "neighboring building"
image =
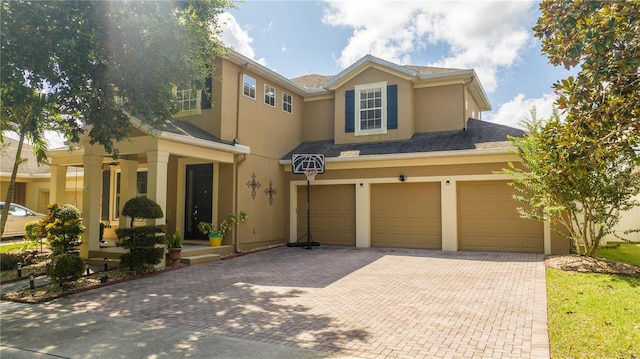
(409, 163)
(32, 180)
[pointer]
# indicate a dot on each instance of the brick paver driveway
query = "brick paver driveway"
(369, 303)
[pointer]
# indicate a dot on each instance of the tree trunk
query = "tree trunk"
(14, 173)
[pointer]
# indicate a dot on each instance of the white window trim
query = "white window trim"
(288, 103)
(255, 87)
(195, 111)
(358, 88)
(268, 87)
(115, 194)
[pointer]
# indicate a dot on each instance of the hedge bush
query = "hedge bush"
(9, 261)
(65, 268)
(142, 242)
(63, 226)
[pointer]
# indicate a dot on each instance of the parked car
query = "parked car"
(17, 218)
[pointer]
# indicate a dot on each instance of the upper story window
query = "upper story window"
(371, 109)
(269, 95)
(249, 87)
(187, 99)
(287, 103)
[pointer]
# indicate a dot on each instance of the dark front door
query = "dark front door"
(198, 199)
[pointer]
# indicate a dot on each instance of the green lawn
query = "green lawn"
(14, 246)
(623, 252)
(595, 315)
(18, 245)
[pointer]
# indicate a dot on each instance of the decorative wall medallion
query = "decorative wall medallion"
(270, 192)
(253, 184)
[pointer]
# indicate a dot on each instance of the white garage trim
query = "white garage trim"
(363, 205)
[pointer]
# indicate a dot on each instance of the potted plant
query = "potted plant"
(174, 246)
(217, 232)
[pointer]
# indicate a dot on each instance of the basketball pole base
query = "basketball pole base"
(302, 244)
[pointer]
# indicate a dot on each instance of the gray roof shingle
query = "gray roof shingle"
(188, 129)
(8, 157)
(479, 134)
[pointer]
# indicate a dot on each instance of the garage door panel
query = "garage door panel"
(406, 215)
(332, 214)
(488, 219)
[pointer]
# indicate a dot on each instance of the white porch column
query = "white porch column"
(58, 190)
(91, 204)
(157, 181)
(157, 186)
(449, 205)
(363, 215)
(128, 177)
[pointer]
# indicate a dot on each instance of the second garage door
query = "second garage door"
(488, 220)
(406, 215)
(333, 214)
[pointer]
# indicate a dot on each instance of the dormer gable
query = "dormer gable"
(367, 62)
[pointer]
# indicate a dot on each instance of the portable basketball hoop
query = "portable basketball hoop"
(309, 165)
(301, 163)
(311, 174)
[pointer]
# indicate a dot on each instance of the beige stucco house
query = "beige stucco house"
(408, 162)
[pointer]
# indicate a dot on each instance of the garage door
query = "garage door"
(488, 220)
(406, 215)
(333, 214)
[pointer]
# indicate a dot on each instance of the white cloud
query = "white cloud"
(519, 108)
(237, 38)
(484, 35)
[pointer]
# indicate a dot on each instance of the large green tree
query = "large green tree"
(29, 118)
(83, 55)
(581, 171)
(580, 192)
(602, 40)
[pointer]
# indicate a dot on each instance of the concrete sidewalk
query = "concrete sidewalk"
(31, 331)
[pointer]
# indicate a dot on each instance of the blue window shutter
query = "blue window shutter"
(205, 101)
(349, 111)
(392, 106)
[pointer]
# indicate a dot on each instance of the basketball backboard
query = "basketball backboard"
(306, 162)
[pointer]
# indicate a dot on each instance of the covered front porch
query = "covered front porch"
(190, 174)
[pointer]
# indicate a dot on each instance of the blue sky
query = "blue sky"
(494, 38)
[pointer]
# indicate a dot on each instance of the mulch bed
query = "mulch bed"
(48, 292)
(52, 291)
(577, 263)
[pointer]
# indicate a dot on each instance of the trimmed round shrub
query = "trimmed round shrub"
(9, 261)
(141, 208)
(65, 268)
(141, 242)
